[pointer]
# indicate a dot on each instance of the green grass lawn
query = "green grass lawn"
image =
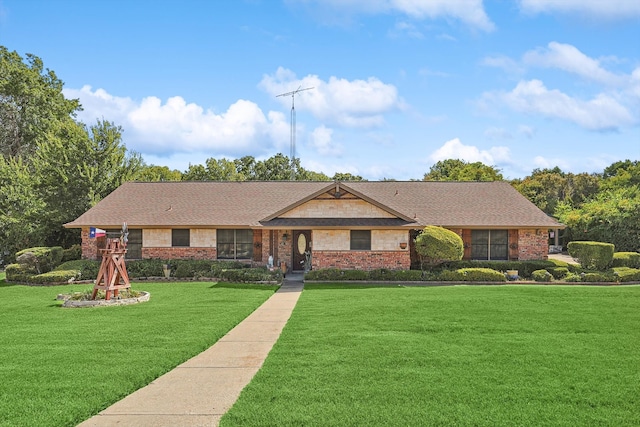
(466, 355)
(60, 366)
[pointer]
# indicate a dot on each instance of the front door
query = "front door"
(301, 247)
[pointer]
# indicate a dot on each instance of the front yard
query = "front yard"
(61, 366)
(481, 355)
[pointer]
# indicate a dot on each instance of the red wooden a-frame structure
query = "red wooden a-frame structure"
(113, 272)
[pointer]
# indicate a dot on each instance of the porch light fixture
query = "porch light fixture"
(285, 237)
(403, 245)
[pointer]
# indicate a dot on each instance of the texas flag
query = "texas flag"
(96, 232)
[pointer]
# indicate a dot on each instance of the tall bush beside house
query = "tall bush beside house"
(436, 245)
(592, 255)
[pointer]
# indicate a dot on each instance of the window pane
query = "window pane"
(244, 236)
(180, 238)
(499, 244)
(244, 250)
(360, 240)
(224, 236)
(235, 244)
(479, 244)
(225, 250)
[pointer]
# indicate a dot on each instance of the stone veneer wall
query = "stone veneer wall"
(179, 253)
(362, 260)
(533, 245)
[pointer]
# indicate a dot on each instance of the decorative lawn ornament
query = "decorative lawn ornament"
(112, 275)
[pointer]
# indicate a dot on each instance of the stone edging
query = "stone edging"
(68, 303)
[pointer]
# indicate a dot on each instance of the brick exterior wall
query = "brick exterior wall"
(361, 260)
(533, 245)
(179, 253)
(89, 246)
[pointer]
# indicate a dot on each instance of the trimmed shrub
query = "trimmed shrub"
(598, 277)
(573, 277)
(144, 268)
(626, 259)
(324, 274)
(541, 276)
(627, 274)
(525, 268)
(472, 275)
(592, 255)
(19, 273)
(72, 254)
(250, 275)
(436, 245)
(86, 269)
(333, 274)
(41, 259)
(55, 276)
(558, 272)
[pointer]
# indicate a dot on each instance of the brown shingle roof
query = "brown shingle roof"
(242, 204)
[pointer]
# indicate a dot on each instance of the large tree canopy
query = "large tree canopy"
(460, 170)
(52, 168)
(546, 188)
(31, 103)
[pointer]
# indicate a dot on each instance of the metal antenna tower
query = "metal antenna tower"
(293, 127)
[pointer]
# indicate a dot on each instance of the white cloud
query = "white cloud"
(568, 58)
(355, 103)
(503, 62)
(470, 12)
(321, 140)
(455, 149)
(156, 127)
(605, 9)
(603, 112)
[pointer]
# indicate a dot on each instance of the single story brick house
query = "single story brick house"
(361, 225)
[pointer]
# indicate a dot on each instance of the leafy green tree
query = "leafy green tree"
(75, 168)
(460, 170)
(195, 173)
(246, 166)
(546, 188)
(31, 104)
(153, 173)
(20, 209)
(612, 216)
(341, 176)
(275, 168)
(436, 245)
(622, 174)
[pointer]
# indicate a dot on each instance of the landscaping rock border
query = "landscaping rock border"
(68, 303)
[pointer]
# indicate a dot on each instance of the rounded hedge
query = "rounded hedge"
(436, 245)
(592, 255)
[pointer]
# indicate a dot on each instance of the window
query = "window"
(490, 244)
(360, 240)
(235, 244)
(134, 241)
(180, 238)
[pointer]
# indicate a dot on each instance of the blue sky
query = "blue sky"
(398, 84)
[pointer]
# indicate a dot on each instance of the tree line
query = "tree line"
(53, 168)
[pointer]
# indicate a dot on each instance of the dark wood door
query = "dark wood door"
(301, 244)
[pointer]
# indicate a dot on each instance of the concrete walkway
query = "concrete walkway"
(201, 390)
